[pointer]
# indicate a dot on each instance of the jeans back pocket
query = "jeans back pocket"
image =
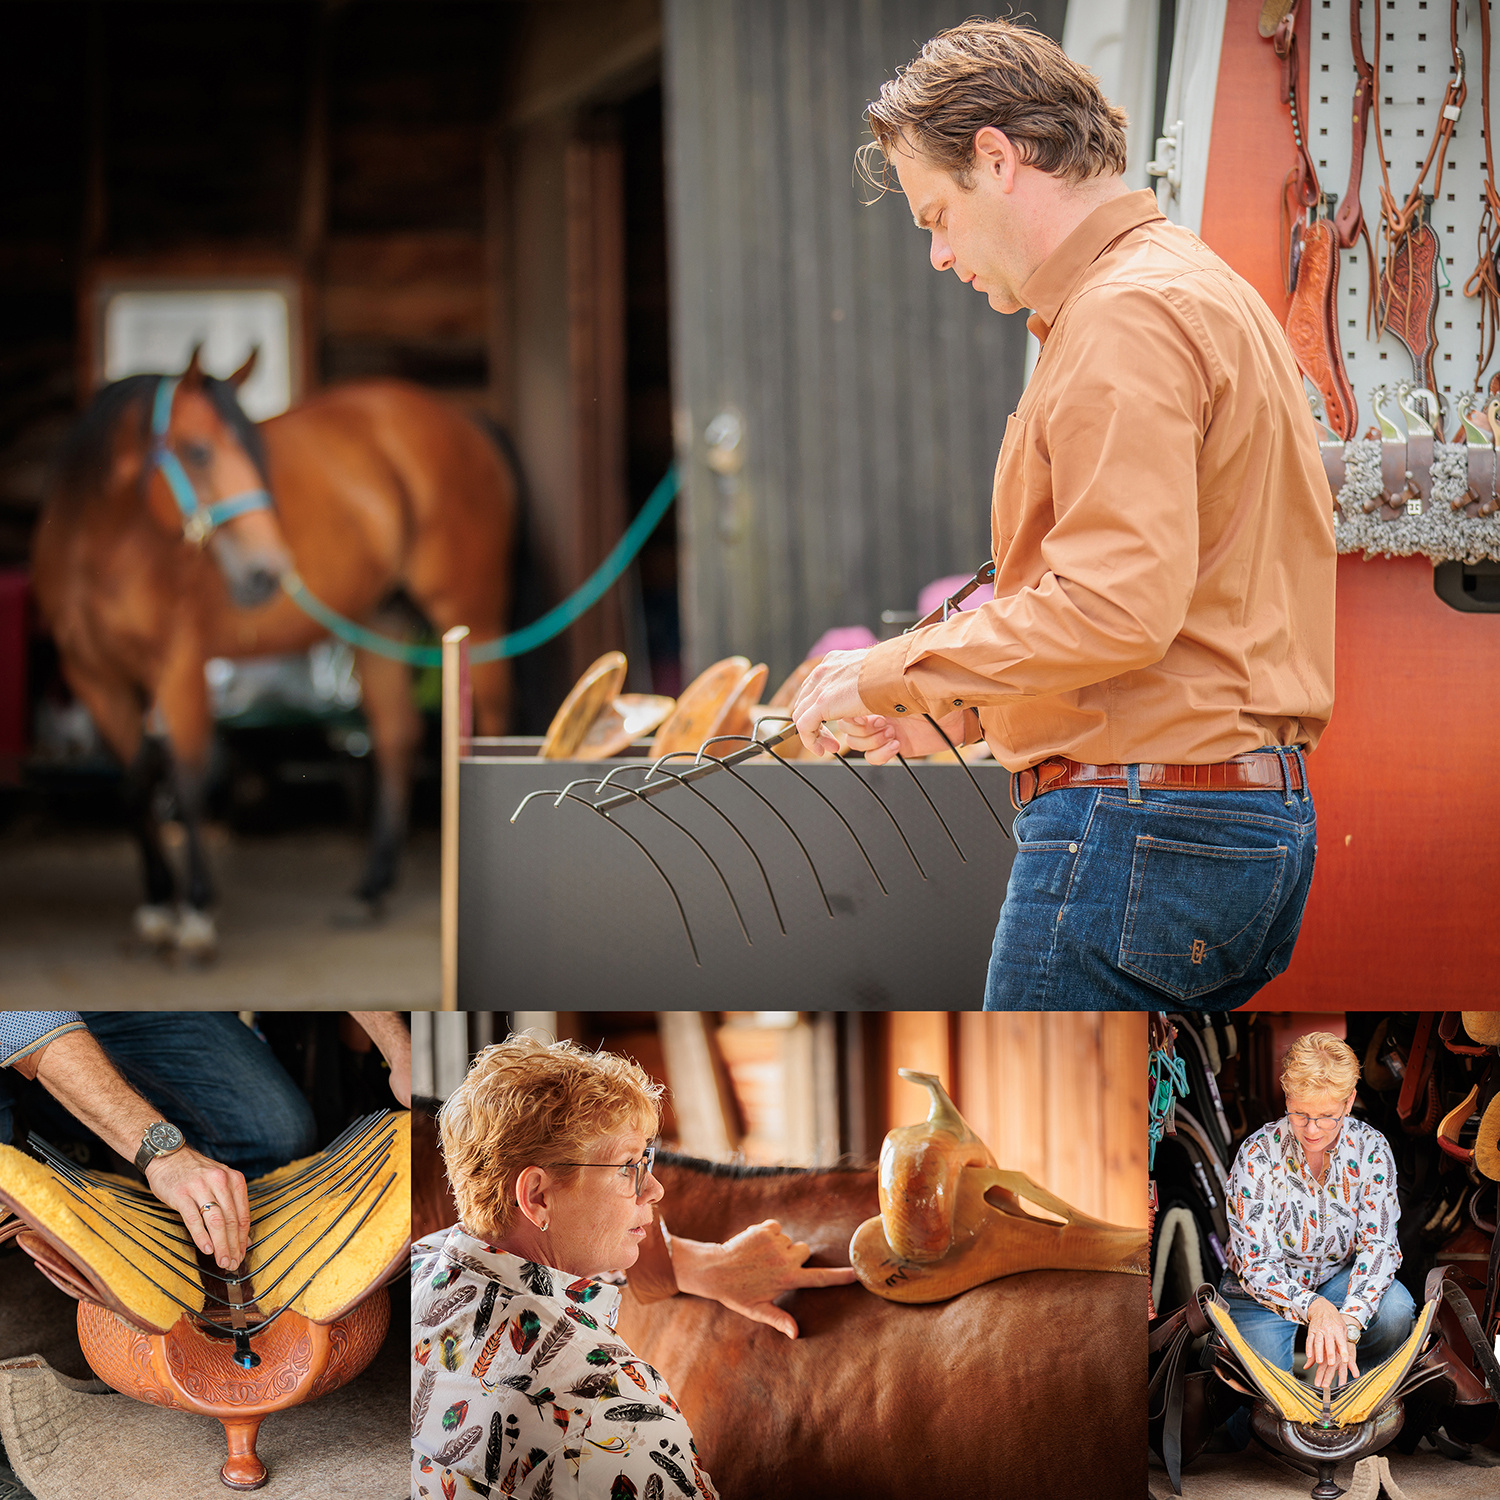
(1197, 914)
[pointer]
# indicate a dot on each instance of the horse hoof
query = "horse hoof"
(197, 937)
(359, 911)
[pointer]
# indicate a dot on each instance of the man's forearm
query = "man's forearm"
(75, 1070)
(388, 1031)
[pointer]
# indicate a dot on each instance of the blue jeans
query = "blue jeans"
(1274, 1339)
(1188, 900)
(207, 1073)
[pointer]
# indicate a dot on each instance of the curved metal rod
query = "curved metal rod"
(751, 739)
(584, 802)
(933, 805)
(894, 824)
(724, 765)
(707, 802)
(550, 791)
(635, 792)
(999, 823)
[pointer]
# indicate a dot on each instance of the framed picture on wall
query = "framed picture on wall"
(140, 323)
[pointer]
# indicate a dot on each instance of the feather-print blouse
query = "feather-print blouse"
(1288, 1235)
(519, 1387)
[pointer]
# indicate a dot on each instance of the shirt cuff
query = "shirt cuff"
(1302, 1303)
(1357, 1310)
(17, 1046)
(883, 687)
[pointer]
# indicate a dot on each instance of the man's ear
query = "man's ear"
(996, 156)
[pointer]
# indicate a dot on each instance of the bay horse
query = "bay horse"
(1033, 1385)
(163, 541)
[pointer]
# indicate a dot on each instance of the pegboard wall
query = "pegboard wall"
(1415, 66)
(1373, 515)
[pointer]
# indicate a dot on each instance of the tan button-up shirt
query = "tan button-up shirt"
(1162, 528)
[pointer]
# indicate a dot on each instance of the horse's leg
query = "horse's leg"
(182, 699)
(115, 710)
(395, 729)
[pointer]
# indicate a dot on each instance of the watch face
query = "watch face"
(163, 1137)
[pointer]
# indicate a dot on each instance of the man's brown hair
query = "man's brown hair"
(995, 73)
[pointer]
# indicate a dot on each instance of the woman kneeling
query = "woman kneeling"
(520, 1386)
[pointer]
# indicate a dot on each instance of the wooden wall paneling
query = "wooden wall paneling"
(1124, 1116)
(707, 1119)
(922, 1041)
(872, 392)
(594, 188)
(1398, 808)
(1073, 1112)
(1021, 1124)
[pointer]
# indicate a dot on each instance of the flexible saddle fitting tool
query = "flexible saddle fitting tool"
(714, 730)
(1321, 1427)
(951, 1219)
(303, 1313)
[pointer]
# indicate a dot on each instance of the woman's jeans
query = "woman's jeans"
(207, 1073)
(1188, 900)
(1273, 1338)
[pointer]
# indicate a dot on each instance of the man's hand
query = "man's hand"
(1328, 1345)
(880, 739)
(830, 692)
(210, 1197)
(388, 1031)
(748, 1272)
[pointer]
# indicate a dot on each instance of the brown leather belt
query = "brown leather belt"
(1256, 771)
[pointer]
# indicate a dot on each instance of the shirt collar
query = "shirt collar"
(1054, 281)
(1291, 1150)
(581, 1294)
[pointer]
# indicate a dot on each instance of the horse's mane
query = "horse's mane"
(85, 454)
(737, 1171)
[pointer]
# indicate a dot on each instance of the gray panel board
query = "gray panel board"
(873, 391)
(559, 912)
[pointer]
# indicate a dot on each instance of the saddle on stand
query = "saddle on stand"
(303, 1313)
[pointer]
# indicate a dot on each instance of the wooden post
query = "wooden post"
(456, 732)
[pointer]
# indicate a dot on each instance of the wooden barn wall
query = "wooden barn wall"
(872, 392)
(1058, 1095)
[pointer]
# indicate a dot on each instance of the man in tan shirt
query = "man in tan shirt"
(1159, 650)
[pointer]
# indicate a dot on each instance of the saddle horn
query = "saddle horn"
(950, 1218)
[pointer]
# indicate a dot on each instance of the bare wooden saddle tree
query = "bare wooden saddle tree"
(950, 1218)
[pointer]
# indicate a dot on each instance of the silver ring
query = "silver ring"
(206, 1206)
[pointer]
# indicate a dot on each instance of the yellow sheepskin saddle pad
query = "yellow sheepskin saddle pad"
(1307, 1423)
(303, 1313)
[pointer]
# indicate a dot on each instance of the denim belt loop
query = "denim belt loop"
(1286, 775)
(1302, 763)
(1133, 786)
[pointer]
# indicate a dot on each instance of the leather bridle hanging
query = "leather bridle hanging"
(1310, 242)
(1407, 302)
(1484, 280)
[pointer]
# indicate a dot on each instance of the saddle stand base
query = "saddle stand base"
(191, 1368)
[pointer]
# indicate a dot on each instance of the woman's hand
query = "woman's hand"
(1328, 1344)
(748, 1272)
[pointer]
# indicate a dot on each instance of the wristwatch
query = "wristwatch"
(160, 1139)
(1352, 1331)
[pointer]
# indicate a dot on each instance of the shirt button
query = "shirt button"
(958, 703)
(900, 708)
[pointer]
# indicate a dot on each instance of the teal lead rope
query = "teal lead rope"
(529, 637)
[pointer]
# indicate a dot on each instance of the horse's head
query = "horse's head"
(207, 479)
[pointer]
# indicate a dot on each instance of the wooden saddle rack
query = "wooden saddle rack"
(1318, 1430)
(950, 1218)
(303, 1313)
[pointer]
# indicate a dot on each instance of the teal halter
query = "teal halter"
(199, 521)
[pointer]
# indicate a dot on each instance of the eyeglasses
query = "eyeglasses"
(633, 1172)
(1323, 1122)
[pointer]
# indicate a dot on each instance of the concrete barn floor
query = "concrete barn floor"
(1424, 1475)
(65, 936)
